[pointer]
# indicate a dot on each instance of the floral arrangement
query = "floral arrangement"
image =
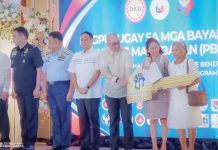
(36, 22)
(9, 19)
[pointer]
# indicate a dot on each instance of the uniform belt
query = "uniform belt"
(58, 82)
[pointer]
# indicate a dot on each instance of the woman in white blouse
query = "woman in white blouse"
(181, 116)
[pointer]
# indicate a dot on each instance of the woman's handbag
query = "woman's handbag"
(196, 98)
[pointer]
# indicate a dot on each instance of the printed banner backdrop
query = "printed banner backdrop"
(194, 22)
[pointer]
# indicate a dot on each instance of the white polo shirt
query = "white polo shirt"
(84, 66)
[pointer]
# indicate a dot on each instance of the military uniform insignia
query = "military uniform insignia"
(47, 56)
(14, 53)
(26, 50)
(47, 53)
(61, 58)
(48, 59)
(66, 51)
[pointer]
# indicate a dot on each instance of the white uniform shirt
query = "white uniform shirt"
(84, 65)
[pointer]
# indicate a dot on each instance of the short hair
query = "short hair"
(111, 35)
(56, 35)
(182, 43)
(88, 33)
(149, 41)
(22, 30)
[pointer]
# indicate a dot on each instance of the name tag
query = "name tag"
(61, 58)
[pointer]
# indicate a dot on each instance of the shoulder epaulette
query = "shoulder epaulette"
(47, 53)
(67, 51)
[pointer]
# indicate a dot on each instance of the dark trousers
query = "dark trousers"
(4, 121)
(28, 108)
(115, 106)
(89, 123)
(60, 113)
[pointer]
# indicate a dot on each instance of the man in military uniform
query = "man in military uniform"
(58, 89)
(5, 78)
(26, 63)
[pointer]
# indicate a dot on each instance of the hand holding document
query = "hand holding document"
(139, 88)
(152, 74)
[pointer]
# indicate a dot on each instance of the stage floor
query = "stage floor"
(43, 146)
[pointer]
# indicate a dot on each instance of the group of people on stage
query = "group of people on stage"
(62, 76)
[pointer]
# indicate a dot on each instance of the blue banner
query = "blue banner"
(194, 22)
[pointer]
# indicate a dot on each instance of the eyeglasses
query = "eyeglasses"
(116, 43)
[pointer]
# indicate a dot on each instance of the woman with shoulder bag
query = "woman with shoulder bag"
(181, 115)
